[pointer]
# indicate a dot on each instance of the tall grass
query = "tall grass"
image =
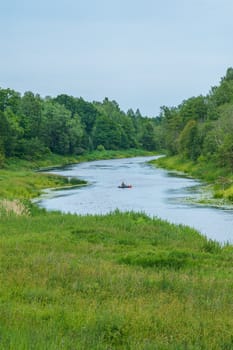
(8, 207)
(120, 281)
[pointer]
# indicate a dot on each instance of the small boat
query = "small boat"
(123, 185)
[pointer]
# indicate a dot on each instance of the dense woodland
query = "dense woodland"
(199, 128)
(31, 126)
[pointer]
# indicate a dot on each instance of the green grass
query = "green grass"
(120, 281)
(52, 159)
(108, 154)
(26, 184)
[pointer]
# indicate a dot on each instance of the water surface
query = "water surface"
(155, 191)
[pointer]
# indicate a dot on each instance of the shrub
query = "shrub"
(100, 148)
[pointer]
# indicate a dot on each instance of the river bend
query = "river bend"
(156, 192)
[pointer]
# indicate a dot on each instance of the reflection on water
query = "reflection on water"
(155, 191)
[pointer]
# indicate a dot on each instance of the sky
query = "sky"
(143, 54)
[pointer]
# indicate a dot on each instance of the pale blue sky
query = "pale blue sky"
(143, 54)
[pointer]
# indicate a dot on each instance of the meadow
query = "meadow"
(119, 281)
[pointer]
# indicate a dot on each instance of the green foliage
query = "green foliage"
(223, 93)
(100, 148)
(106, 133)
(32, 148)
(31, 126)
(189, 141)
(201, 127)
(9, 99)
(10, 132)
(148, 137)
(31, 115)
(2, 157)
(226, 151)
(171, 127)
(194, 108)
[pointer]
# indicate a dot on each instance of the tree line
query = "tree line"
(201, 128)
(32, 126)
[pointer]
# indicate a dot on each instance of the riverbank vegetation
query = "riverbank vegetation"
(198, 136)
(218, 181)
(120, 281)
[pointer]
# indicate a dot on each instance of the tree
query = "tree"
(223, 93)
(172, 125)
(61, 132)
(10, 132)
(106, 133)
(226, 151)
(54, 127)
(148, 136)
(32, 148)
(194, 108)
(75, 133)
(128, 133)
(85, 110)
(31, 111)
(188, 142)
(9, 99)
(229, 74)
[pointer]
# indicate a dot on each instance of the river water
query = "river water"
(156, 192)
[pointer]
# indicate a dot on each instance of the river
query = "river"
(156, 192)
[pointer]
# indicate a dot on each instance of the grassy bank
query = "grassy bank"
(121, 281)
(220, 180)
(26, 184)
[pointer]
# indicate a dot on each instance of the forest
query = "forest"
(201, 128)
(31, 126)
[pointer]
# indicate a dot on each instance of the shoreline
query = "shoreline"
(214, 195)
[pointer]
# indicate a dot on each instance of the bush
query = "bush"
(100, 148)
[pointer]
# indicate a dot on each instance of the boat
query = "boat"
(123, 185)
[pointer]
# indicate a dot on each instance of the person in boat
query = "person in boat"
(124, 185)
